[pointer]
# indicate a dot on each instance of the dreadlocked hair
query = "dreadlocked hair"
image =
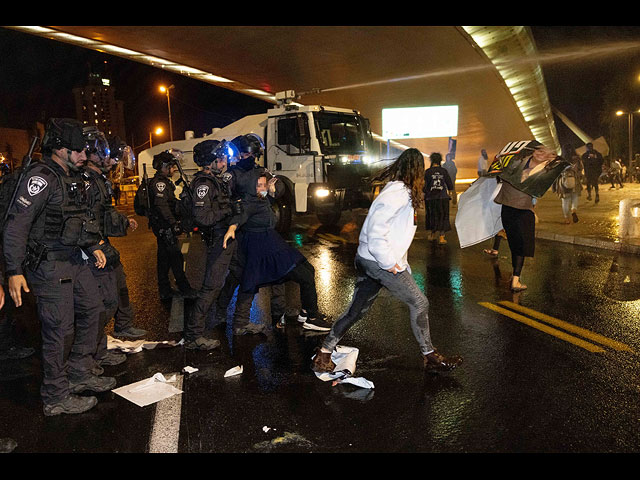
(408, 168)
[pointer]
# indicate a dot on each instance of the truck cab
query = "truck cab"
(324, 155)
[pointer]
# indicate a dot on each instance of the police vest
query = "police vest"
(72, 223)
(112, 223)
(217, 189)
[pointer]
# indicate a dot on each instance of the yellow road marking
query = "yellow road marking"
(595, 337)
(544, 328)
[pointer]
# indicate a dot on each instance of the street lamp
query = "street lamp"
(166, 90)
(157, 131)
(630, 116)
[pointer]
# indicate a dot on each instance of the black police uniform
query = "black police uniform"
(112, 223)
(211, 213)
(49, 237)
(165, 227)
(244, 179)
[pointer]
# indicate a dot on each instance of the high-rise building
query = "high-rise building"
(96, 105)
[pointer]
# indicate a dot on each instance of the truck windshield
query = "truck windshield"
(340, 133)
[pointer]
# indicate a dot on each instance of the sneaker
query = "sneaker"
(319, 323)
(436, 362)
(322, 362)
(70, 405)
(575, 217)
(112, 358)
(202, 343)
(249, 329)
(302, 316)
(92, 383)
(16, 353)
(130, 332)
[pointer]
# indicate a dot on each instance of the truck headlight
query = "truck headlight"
(322, 192)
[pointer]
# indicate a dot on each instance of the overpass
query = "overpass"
(489, 72)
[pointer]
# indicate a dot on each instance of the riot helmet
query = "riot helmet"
(64, 133)
(203, 152)
(250, 143)
(167, 158)
(98, 151)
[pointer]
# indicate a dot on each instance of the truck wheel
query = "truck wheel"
(329, 217)
(284, 212)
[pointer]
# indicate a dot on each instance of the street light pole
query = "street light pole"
(167, 89)
(630, 121)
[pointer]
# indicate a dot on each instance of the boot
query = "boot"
(70, 405)
(93, 384)
(202, 343)
(130, 332)
(436, 362)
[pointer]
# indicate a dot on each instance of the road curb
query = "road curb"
(590, 242)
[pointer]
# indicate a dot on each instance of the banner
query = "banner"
(532, 174)
(479, 217)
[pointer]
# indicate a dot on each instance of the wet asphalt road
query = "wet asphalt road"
(521, 387)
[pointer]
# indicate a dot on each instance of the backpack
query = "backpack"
(568, 180)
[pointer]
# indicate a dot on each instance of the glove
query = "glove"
(176, 228)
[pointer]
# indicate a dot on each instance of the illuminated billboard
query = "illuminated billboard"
(420, 122)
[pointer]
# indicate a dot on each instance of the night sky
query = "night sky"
(37, 76)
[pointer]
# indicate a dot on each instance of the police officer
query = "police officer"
(112, 224)
(212, 210)
(51, 236)
(244, 178)
(166, 226)
(124, 316)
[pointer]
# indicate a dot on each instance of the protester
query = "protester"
(615, 173)
(569, 184)
(518, 218)
(437, 183)
(483, 163)
(381, 261)
(592, 161)
(268, 260)
(494, 250)
(450, 166)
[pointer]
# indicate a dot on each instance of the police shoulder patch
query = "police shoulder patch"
(161, 186)
(35, 185)
(202, 191)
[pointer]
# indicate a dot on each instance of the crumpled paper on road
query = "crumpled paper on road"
(148, 391)
(135, 346)
(345, 359)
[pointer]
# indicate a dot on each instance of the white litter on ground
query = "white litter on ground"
(148, 391)
(345, 359)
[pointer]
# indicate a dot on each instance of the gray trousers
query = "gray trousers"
(69, 306)
(371, 278)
